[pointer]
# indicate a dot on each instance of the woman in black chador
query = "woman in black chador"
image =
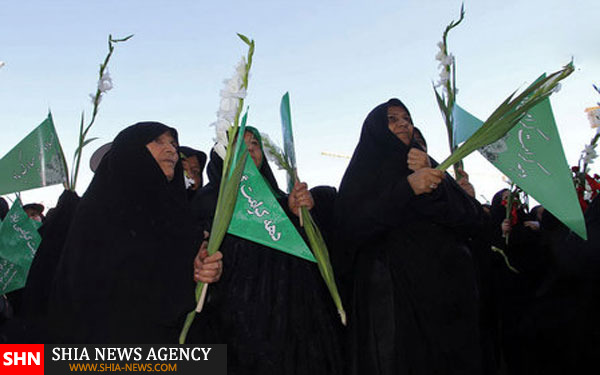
(407, 274)
(126, 272)
(272, 309)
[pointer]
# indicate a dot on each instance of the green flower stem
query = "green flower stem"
(227, 191)
(83, 141)
(317, 244)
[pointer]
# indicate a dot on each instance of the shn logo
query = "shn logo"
(22, 358)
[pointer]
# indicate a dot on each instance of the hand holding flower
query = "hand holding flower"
(417, 159)
(300, 197)
(425, 180)
(207, 269)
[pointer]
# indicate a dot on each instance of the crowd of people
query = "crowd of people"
(433, 281)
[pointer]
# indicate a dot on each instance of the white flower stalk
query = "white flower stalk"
(446, 96)
(104, 84)
(275, 154)
(226, 127)
(588, 155)
(232, 96)
(446, 62)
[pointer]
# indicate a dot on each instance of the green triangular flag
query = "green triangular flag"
(464, 125)
(532, 156)
(19, 241)
(288, 136)
(35, 162)
(258, 217)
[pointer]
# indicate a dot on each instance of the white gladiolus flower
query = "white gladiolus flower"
(231, 94)
(440, 56)
(105, 83)
(240, 68)
(447, 61)
(93, 98)
(228, 104)
(274, 153)
(221, 150)
(444, 78)
(221, 136)
(589, 154)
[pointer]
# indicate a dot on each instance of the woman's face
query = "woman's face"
(164, 150)
(254, 150)
(400, 124)
(192, 167)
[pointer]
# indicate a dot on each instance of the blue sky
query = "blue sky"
(337, 59)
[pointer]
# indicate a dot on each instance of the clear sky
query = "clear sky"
(338, 60)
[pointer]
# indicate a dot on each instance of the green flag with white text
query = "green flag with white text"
(258, 217)
(532, 156)
(19, 240)
(34, 162)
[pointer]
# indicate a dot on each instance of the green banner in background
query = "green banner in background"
(288, 136)
(531, 155)
(19, 241)
(258, 217)
(34, 162)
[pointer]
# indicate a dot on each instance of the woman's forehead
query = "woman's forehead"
(166, 136)
(248, 134)
(396, 110)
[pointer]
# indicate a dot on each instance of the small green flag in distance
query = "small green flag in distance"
(34, 162)
(532, 156)
(258, 217)
(19, 241)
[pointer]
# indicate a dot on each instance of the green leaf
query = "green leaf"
(440, 103)
(319, 248)
(245, 39)
(88, 141)
(122, 39)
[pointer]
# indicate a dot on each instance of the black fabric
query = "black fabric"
(3, 208)
(126, 272)
(561, 324)
(204, 202)
(520, 295)
(483, 257)
(272, 309)
(409, 279)
(39, 280)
